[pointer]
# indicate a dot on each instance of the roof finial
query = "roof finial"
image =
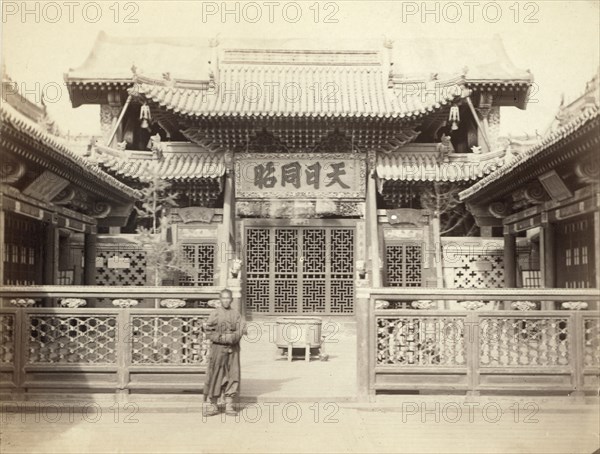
(388, 43)
(134, 69)
(214, 42)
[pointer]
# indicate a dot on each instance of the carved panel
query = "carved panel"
(524, 341)
(178, 340)
(404, 265)
(71, 339)
(469, 272)
(201, 256)
(121, 267)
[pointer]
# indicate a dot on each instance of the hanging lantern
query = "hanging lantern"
(454, 117)
(145, 116)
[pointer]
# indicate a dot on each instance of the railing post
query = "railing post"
(124, 345)
(472, 322)
(364, 364)
(20, 339)
(577, 364)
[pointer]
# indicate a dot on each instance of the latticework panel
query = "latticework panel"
(342, 271)
(314, 250)
(169, 340)
(314, 295)
(72, 339)
(404, 265)
(258, 250)
(286, 251)
(201, 257)
(524, 341)
(591, 342)
(421, 341)
(300, 269)
(7, 338)
(134, 273)
(258, 262)
(286, 295)
(342, 296)
(468, 273)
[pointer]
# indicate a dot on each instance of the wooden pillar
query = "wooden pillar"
(373, 230)
(597, 248)
(89, 258)
(510, 260)
(51, 255)
(2, 246)
(547, 261)
(226, 243)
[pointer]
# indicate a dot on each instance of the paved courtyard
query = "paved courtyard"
(268, 375)
(406, 425)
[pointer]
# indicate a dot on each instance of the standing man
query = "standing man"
(224, 329)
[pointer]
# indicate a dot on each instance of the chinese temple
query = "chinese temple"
(302, 173)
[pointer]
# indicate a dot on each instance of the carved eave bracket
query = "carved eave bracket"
(101, 209)
(499, 209)
(11, 171)
(588, 171)
(487, 215)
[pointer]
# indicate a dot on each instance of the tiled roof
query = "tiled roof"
(290, 91)
(588, 116)
(54, 149)
(172, 166)
(425, 166)
(111, 58)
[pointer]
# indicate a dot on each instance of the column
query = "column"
(2, 246)
(510, 260)
(547, 261)
(373, 230)
(225, 243)
(89, 258)
(597, 248)
(50, 255)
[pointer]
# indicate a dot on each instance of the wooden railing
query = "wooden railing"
(476, 351)
(103, 349)
(156, 348)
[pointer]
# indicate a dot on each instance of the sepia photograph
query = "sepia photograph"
(353, 226)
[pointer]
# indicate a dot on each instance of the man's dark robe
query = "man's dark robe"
(225, 329)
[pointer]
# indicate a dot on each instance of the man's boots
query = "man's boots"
(210, 407)
(229, 407)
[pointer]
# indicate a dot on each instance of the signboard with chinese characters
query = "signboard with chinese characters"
(301, 175)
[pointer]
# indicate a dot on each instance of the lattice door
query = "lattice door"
(575, 251)
(201, 256)
(291, 270)
(404, 265)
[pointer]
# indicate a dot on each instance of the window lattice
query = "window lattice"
(22, 246)
(114, 272)
(202, 258)
(468, 275)
(404, 265)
